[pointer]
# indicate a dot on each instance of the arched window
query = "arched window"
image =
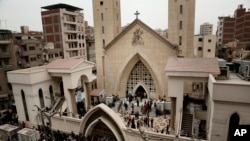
(103, 43)
(233, 123)
(51, 95)
(40, 92)
(61, 88)
(25, 105)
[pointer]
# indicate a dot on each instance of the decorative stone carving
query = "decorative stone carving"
(137, 38)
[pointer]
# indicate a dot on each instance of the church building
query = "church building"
(132, 61)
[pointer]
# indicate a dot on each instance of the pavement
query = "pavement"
(159, 122)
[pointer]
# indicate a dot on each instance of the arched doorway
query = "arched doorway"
(100, 130)
(40, 92)
(140, 92)
(102, 121)
(140, 75)
(51, 95)
(233, 123)
(25, 105)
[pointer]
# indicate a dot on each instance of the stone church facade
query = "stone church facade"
(134, 62)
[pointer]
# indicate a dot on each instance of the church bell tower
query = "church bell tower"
(107, 25)
(181, 21)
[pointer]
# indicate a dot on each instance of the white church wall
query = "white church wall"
(221, 118)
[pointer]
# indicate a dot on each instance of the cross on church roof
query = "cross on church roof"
(136, 14)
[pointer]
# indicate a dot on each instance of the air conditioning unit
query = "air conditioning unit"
(224, 73)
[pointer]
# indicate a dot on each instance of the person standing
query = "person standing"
(152, 122)
(23, 124)
(167, 129)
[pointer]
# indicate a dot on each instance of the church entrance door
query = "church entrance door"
(140, 92)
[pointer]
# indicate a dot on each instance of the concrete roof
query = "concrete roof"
(8, 127)
(205, 65)
(64, 63)
(62, 5)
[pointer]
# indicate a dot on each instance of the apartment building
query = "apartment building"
(234, 28)
(63, 25)
(206, 29)
(7, 62)
(28, 48)
(90, 42)
(204, 46)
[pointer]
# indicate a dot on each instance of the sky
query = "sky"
(154, 13)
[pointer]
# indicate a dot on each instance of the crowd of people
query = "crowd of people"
(136, 118)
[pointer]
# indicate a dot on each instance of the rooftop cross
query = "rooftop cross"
(136, 14)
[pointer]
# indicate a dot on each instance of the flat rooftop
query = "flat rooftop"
(207, 65)
(30, 70)
(62, 5)
(234, 79)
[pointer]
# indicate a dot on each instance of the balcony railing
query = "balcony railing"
(5, 55)
(27, 53)
(8, 67)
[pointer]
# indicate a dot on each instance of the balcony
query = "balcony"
(5, 55)
(25, 42)
(69, 21)
(71, 30)
(25, 65)
(27, 53)
(8, 67)
(5, 41)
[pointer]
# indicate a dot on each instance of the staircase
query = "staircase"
(187, 123)
(57, 104)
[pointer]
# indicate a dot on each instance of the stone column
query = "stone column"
(71, 101)
(173, 113)
(88, 97)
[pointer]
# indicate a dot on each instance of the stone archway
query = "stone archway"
(140, 89)
(140, 76)
(104, 116)
(125, 71)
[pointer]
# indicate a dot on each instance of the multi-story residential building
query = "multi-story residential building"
(181, 15)
(204, 46)
(206, 29)
(90, 42)
(64, 26)
(234, 28)
(163, 33)
(225, 30)
(7, 61)
(233, 34)
(29, 51)
(242, 22)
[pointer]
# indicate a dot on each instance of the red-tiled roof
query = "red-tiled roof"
(64, 63)
(209, 65)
